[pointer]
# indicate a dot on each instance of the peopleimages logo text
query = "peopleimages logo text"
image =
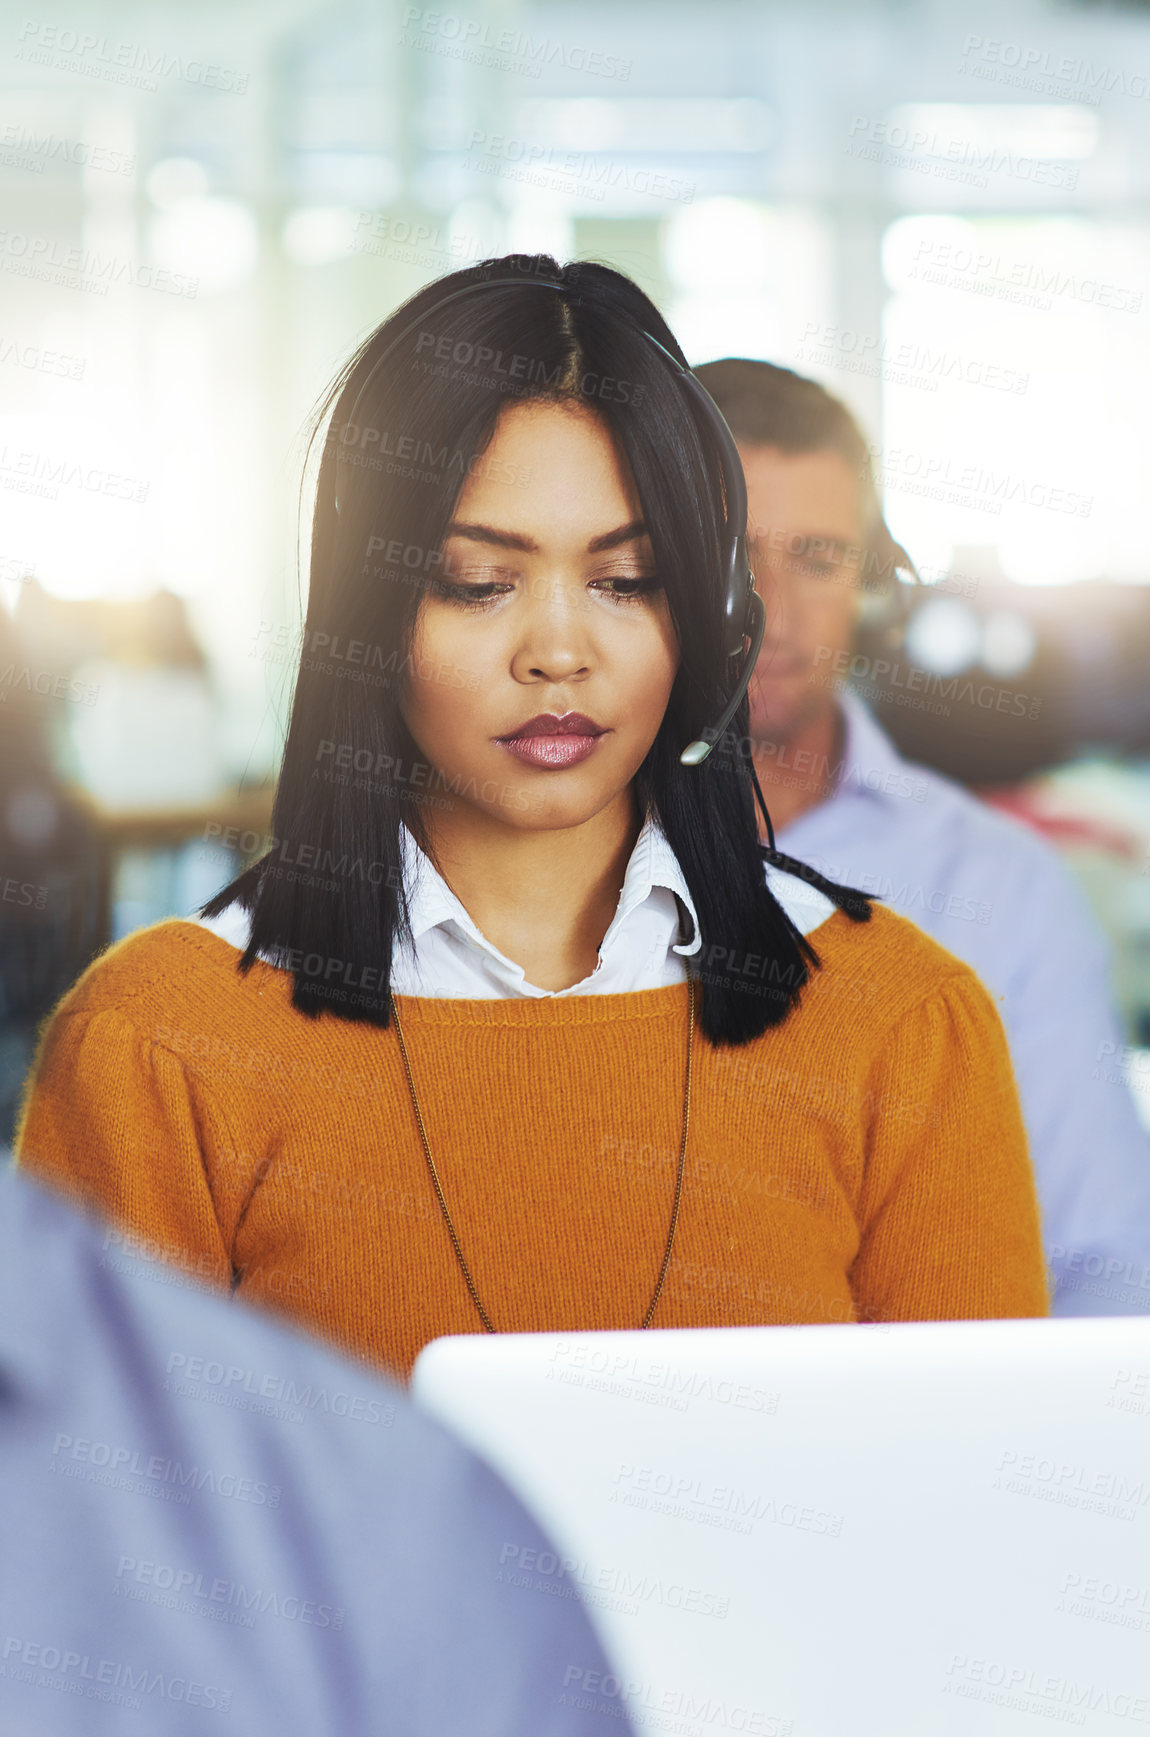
(1084, 79)
(46, 43)
(534, 52)
(95, 271)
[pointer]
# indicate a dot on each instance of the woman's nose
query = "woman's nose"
(554, 643)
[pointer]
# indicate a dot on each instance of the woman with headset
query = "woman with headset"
(517, 1027)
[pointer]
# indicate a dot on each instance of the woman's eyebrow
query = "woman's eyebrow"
(489, 534)
(611, 539)
(513, 540)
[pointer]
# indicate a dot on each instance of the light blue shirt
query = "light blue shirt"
(995, 894)
(215, 1524)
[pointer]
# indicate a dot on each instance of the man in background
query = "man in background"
(985, 887)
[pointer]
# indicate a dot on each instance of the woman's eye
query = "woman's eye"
(468, 596)
(480, 592)
(625, 589)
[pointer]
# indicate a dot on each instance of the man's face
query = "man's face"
(806, 519)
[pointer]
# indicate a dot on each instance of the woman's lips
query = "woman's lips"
(552, 751)
(547, 740)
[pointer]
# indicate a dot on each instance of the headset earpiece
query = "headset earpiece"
(886, 594)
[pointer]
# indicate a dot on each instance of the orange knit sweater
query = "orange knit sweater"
(866, 1160)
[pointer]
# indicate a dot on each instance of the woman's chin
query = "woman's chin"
(529, 805)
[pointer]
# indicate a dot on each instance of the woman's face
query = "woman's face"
(549, 619)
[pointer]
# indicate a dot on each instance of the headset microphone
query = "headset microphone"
(744, 617)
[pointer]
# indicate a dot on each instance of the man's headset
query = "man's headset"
(887, 593)
(744, 617)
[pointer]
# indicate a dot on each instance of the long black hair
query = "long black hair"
(328, 901)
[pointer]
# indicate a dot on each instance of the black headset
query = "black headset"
(744, 617)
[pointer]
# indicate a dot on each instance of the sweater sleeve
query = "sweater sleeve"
(112, 1120)
(948, 1213)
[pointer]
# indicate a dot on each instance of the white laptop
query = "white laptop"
(833, 1531)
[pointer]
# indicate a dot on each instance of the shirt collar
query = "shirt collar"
(652, 864)
(868, 753)
(430, 901)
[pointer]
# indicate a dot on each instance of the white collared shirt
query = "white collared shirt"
(642, 948)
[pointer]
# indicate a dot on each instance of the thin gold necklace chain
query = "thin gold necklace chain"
(464, 1268)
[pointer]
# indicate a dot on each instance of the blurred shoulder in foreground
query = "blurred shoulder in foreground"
(208, 1513)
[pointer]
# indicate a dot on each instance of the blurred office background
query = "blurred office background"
(942, 211)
